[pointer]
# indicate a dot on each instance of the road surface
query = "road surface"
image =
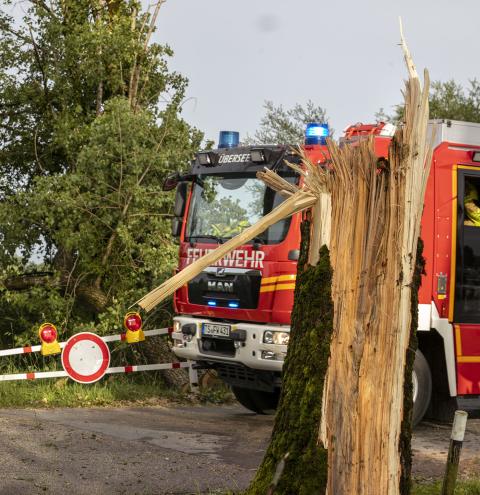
(162, 450)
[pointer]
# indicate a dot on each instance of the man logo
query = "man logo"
(218, 286)
(220, 272)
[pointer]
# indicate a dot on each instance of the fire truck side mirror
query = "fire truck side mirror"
(180, 199)
(170, 183)
(176, 226)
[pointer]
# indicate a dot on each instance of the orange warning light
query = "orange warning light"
(48, 335)
(133, 324)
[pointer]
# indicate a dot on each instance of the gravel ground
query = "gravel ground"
(163, 450)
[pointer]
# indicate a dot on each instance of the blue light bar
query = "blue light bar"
(228, 139)
(233, 305)
(212, 303)
(316, 133)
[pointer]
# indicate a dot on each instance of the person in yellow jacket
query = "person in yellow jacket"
(471, 202)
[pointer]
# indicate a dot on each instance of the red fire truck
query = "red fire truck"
(234, 317)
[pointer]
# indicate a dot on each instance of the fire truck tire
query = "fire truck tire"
(422, 387)
(256, 400)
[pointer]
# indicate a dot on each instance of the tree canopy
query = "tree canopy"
(91, 126)
(448, 100)
(286, 126)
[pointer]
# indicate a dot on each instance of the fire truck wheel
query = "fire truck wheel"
(256, 400)
(422, 387)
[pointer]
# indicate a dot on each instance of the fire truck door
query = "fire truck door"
(466, 314)
(467, 252)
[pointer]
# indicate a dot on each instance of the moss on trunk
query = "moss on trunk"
(299, 412)
(406, 428)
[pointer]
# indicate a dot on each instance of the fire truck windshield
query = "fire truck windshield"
(223, 206)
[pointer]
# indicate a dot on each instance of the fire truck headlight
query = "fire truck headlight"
(176, 326)
(268, 337)
(280, 338)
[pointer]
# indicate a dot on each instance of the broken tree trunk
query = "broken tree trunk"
(376, 216)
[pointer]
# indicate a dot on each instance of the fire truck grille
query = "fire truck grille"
(241, 376)
(219, 347)
(234, 288)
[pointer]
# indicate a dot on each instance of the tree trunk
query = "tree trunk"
(298, 416)
(157, 350)
(375, 226)
(405, 444)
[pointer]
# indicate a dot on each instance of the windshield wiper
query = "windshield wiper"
(192, 238)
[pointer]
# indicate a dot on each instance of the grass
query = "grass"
(471, 487)
(112, 391)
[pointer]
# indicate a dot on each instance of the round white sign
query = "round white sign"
(85, 357)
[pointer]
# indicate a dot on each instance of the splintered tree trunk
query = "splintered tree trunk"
(376, 216)
(297, 421)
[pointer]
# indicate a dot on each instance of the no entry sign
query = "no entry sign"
(85, 357)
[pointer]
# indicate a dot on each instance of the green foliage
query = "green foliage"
(286, 126)
(448, 100)
(471, 487)
(91, 126)
(66, 393)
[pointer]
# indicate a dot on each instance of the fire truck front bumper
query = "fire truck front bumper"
(261, 347)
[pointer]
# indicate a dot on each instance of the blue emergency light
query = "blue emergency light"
(228, 139)
(316, 133)
(212, 303)
(233, 305)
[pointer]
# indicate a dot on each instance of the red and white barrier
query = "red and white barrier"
(108, 338)
(117, 369)
(192, 373)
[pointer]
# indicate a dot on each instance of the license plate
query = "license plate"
(216, 330)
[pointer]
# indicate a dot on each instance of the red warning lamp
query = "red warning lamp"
(133, 324)
(48, 335)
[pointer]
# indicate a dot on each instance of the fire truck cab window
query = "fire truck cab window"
(467, 276)
(223, 206)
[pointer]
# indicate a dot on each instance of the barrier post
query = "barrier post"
(456, 442)
(193, 377)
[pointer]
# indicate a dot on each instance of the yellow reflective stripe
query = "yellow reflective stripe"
(271, 288)
(468, 359)
(269, 280)
(458, 340)
(281, 278)
(451, 295)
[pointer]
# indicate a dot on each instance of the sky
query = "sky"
(342, 55)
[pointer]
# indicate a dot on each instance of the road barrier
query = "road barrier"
(118, 369)
(107, 338)
(86, 350)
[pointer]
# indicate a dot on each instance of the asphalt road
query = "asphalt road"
(162, 450)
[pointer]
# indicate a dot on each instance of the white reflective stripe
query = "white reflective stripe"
(445, 329)
(50, 374)
(424, 317)
(459, 426)
(164, 366)
(32, 376)
(158, 331)
(146, 367)
(118, 369)
(112, 338)
(107, 338)
(18, 376)
(20, 350)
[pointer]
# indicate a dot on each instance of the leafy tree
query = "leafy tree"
(448, 100)
(90, 128)
(286, 126)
